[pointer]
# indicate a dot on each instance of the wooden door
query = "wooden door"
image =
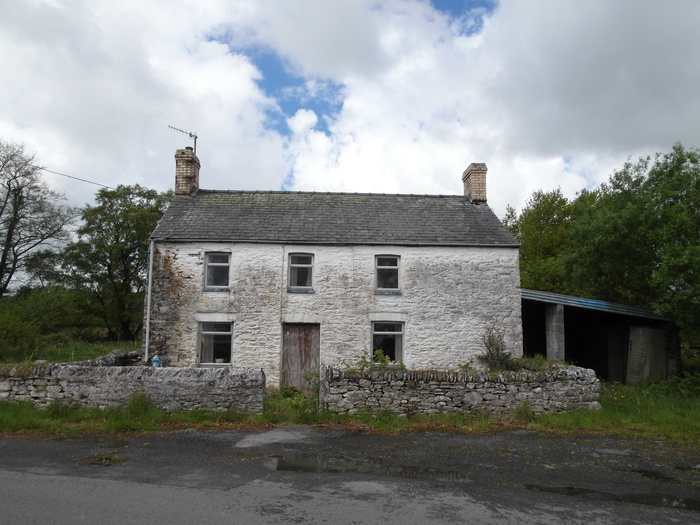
(301, 352)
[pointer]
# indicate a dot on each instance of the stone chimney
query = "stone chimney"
(186, 172)
(474, 179)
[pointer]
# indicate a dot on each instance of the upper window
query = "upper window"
(301, 267)
(215, 343)
(216, 270)
(387, 272)
(388, 337)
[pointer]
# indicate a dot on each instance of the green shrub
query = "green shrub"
(377, 360)
(495, 355)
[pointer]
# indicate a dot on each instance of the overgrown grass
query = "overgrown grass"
(66, 351)
(668, 409)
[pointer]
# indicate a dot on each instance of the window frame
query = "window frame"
(377, 268)
(399, 343)
(291, 266)
(203, 332)
(210, 264)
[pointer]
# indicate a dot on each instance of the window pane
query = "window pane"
(387, 261)
(387, 278)
(301, 270)
(300, 277)
(215, 346)
(217, 276)
(389, 344)
(388, 327)
(216, 327)
(218, 258)
(301, 259)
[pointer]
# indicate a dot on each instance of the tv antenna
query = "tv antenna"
(192, 134)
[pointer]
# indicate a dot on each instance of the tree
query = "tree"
(31, 215)
(611, 252)
(109, 260)
(638, 242)
(542, 228)
(634, 240)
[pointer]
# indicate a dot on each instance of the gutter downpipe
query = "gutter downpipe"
(147, 342)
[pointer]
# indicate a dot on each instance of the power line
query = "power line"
(74, 178)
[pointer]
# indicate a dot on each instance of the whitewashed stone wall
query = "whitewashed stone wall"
(406, 392)
(449, 296)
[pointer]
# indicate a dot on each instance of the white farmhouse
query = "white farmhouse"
(287, 281)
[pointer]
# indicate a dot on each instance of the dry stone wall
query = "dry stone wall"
(239, 389)
(404, 392)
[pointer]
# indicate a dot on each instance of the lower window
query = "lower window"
(388, 337)
(215, 343)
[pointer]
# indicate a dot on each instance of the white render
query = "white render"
(449, 297)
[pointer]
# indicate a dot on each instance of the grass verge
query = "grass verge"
(668, 409)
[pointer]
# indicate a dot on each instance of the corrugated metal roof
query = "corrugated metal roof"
(589, 304)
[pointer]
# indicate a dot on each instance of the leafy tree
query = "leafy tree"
(542, 228)
(109, 260)
(31, 215)
(673, 213)
(634, 240)
(640, 242)
(611, 253)
(32, 319)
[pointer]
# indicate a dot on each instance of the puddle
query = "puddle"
(655, 499)
(307, 462)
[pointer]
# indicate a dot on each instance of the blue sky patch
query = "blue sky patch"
(471, 12)
(293, 93)
(290, 91)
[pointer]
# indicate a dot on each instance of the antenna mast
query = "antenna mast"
(192, 134)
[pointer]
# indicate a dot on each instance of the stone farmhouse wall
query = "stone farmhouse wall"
(403, 392)
(238, 389)
(448, 297)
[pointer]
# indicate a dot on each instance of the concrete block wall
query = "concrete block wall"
(404, 392)
(238, 389)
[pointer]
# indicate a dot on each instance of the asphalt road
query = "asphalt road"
(298, 474)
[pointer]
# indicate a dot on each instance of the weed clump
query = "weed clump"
(495, 357)
(369, 361)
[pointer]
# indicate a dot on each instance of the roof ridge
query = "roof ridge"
(297, 192)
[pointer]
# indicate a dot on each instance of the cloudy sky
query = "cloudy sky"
(394, 96)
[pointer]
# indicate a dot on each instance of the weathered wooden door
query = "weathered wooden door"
(301, 352)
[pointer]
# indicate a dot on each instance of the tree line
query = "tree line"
(633, 240)
(70, 273)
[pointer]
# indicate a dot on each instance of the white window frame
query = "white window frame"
(294, 265)
(208, 263)
(208, 337)
(399, 335)
(378, 268)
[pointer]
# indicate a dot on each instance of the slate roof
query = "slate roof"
(331, 218)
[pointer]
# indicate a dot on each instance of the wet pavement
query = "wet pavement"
(307, 474)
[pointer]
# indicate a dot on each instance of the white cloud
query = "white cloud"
(549, 93)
